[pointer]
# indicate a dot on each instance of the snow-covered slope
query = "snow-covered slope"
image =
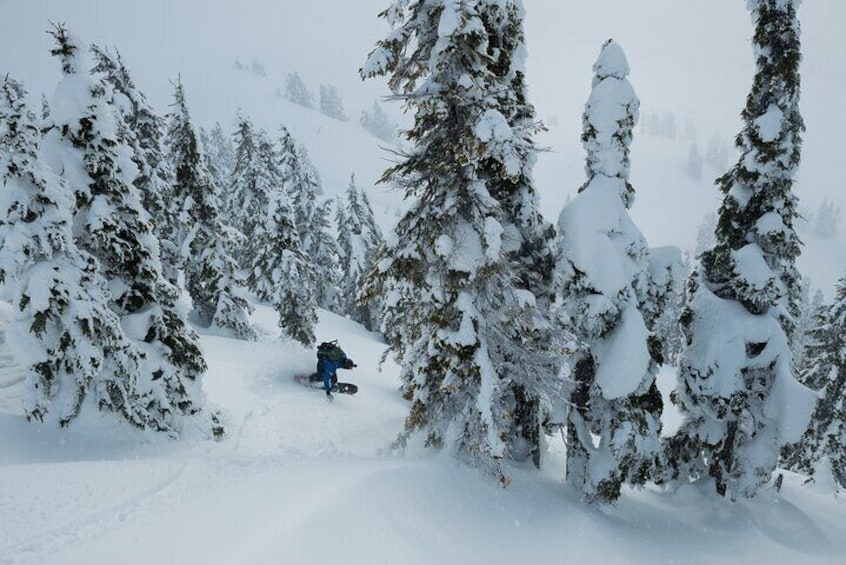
(300, 480)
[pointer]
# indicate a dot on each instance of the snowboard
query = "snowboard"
(315, 381)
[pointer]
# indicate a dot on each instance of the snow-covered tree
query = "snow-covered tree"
(277, 269)
(359, 238)
(253, 177)
(705, 238)
(805, 323)
(605, 295)
(379, 124)
(312, 216)
(297, 92)
(280, 272)
(668, 271)
(203, 240)
(660, 125)
(331, 103)
(530, 240)
(63, 328)
(322, 248)
(669, 127)
(45, 108)
(86, 146)
(717, 155)
(475, 348)
(694, 162)
(144, 135)
(736, 388)
(257, 67)
(221, 149)
(825, 370)
(647, 123)
(824, 349)
(219, 153)
(827, 219)
(368, 219)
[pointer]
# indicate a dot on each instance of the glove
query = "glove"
(329, 397)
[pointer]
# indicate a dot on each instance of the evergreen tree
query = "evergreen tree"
(705, 238)
(669, 128)
(605, 294)
(821, 350)
(280, 273)
(220, 161)
(717, 154)
(257, 68)
(668, 271)
(827, 220)
(203, 240)
(63, 328)
(312, 216)
(825, 371)
(378, 123)
(736, 388)
(45, 108)
(253, 177)
(471, 341)
(804, 325)
(87, 146)
(144, 132)
(530, 241)
(297, 92)
(331, 103)
(808, 321)
(359, 239)
(277, 269)
(694, 162)
(369, 219)
(325, 254)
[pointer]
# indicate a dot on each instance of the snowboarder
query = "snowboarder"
(330, 358)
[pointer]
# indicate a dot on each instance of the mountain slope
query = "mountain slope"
(300, 480)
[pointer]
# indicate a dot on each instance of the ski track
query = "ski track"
(11, 378)
(41, 547)
(789, 526)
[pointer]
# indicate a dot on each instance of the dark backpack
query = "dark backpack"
(329, 351)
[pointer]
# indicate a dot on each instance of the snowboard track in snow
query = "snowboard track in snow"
(76, 533)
